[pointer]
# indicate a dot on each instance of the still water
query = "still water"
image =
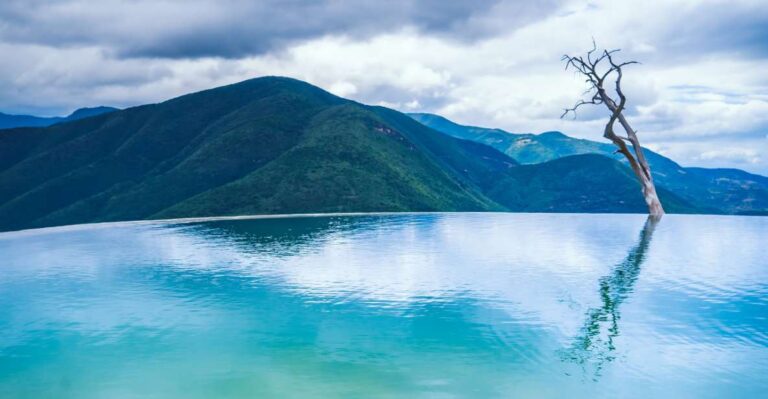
(385, 306)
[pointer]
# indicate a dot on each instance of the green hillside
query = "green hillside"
(262, 146)
(269, 145)
(710, 190)
(589, 182)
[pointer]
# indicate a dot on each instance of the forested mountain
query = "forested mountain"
(710, 190)
(278, 145)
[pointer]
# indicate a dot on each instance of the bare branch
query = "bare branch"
(573, 109)
(589, 53)
(596, 72)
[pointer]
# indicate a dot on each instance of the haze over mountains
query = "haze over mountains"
(279, 145)
(10, 121)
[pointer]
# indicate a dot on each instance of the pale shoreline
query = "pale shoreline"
(100, 225)
(125, 223)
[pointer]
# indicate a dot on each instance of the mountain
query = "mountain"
(526, 148)
(88, 112)
(710, 190)
(274, 145)
(587, 182)
(11, 121)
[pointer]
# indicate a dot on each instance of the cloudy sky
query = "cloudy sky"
(700, 95)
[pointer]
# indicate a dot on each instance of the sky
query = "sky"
(699, 94)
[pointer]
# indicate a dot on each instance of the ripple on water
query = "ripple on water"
(430, 305)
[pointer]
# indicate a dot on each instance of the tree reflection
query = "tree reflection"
(595, 347)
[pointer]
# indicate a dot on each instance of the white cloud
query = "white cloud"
(343, 89)
(731, 154)
(701, 85)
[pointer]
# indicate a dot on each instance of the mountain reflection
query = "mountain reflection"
(595, 347)
(280, 236)
(440, 305)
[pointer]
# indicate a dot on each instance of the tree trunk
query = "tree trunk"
(644, 174)
(652, 199)
(596, 76)
(637, 162)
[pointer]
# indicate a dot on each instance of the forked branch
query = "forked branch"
(597, 67)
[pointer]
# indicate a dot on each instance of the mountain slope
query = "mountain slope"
(526, 148)
(712, 190)
(265, 145)
(271, 145)
(10, 121)
(351, 159)
(589, 182)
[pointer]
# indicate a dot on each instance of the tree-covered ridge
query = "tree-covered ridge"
(710, 190)
(274, 145)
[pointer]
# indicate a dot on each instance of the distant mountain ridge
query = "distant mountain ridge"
(713, 190)
(11, 121)
(279, 145)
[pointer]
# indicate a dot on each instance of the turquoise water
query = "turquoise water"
(406, 306)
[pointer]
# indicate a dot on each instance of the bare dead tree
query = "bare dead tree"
(598, 66)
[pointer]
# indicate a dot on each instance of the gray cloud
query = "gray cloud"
(700, 93)
(722, 27)
(237, 28)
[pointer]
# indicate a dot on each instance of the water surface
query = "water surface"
(411, 306)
